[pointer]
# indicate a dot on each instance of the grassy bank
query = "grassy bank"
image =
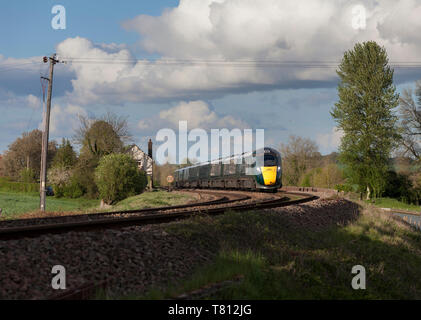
(16, 204)
(153, 199)
(394, 204)
(282, 259)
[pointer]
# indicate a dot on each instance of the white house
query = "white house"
(144, 161)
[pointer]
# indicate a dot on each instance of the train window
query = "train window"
(270, 160)
(232, 167)
(204, 171)
(215, 170)
(229, 168)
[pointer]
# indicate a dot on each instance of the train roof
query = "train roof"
(229, 157)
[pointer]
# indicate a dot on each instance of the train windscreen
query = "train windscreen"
(270, 160)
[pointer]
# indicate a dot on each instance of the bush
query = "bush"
(84, 174)
(73, 189)
(345, 188)
(27, 176)
(118, 177)
(59, 177)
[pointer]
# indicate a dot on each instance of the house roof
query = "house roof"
(136, 147)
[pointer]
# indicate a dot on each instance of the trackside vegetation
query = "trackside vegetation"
(26, 205)
(280, 260)
(118, 177)
(15, 205)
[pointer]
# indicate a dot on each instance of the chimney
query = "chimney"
(150, 148)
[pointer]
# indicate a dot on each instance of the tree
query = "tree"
(118, 177)
(367, 97)
(102, 136)
(410, 114)
(25, 153)
(97, 138)
(299, 155)
(65, 156)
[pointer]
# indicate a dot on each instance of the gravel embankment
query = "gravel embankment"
(132, 259)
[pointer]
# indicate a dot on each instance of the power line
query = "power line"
(17, 66)
(157, 62)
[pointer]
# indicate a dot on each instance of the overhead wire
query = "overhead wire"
(155, 62)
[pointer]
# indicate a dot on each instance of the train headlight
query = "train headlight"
(279, 168)
(258, 169)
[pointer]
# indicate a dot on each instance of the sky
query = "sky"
(247, 64)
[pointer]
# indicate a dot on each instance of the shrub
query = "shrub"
(27, 175)
(9, 186)
(59, 177)
(118, 177)
(74, 189)
(345, 188)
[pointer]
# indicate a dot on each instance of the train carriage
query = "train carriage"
(235, 172)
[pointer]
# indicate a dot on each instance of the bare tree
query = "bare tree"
(102, 135)
(25, 153)
(299, 155)
(410, 113)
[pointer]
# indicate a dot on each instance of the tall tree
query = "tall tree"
(102, 136)
(410, 114)
(25, 153)
(65, 156)
(97, 138)
(364, 112)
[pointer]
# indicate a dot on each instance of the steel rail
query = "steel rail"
(137, 220)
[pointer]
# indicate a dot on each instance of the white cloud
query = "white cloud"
(252, 30)
(33, 102)
(198, 114)
(64, 119)
(330, 140)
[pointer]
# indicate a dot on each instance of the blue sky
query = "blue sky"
(292, 100)
(26, 25)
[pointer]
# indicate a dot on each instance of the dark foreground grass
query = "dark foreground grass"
(280, 261)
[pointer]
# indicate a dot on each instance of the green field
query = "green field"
(278, 260)
(394, 204)
(17, 204)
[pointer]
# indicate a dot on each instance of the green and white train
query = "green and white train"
(235, 172)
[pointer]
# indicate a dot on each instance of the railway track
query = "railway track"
(220, 202)
(223, 201)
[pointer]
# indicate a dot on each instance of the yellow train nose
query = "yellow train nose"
(269, 175)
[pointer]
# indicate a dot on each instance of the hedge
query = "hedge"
(9, 186)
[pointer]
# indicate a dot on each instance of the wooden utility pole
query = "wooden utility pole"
(45, 134)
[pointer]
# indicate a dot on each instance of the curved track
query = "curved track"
(224, 201)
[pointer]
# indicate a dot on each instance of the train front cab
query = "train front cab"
(268, 170)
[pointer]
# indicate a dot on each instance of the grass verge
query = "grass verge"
(280, 260)
(153, 199)
(394, 204)
(15, 204)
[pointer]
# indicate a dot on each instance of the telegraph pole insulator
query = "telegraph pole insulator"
(45, 59)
